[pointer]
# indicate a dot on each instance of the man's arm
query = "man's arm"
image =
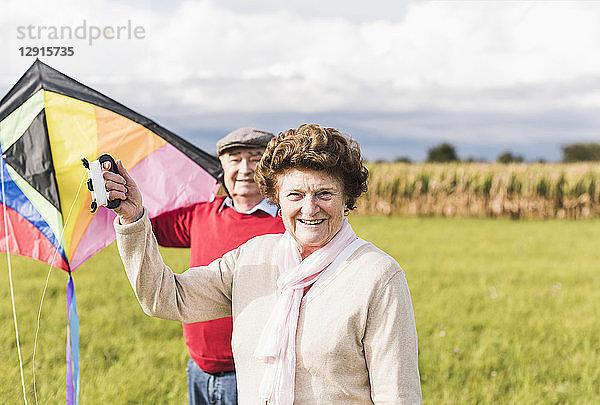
(172, 229)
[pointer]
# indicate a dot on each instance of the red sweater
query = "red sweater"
(210, 234)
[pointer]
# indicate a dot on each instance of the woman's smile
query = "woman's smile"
(311, 221)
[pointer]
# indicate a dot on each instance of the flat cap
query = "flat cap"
(245, 138)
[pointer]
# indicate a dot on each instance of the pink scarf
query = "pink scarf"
(277, 344)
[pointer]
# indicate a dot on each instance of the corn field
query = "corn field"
(483, 190)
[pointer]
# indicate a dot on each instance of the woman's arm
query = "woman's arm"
(390, 345)
(199, 294)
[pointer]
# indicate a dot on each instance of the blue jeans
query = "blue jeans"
(210, 389)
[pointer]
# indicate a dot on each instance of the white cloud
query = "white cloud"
(440, 54)
(220, 57)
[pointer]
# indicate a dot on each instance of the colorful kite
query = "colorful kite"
(48, 123)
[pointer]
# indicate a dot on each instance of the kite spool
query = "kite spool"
(96, 184)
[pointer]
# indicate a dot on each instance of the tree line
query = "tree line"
(576, 152)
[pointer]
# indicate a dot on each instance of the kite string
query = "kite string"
(12, 293)
(48, 278)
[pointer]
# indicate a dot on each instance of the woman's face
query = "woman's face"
(312, 207)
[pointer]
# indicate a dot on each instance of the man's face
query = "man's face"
(238, 167)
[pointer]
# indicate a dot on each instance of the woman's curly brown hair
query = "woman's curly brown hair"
(313, 147)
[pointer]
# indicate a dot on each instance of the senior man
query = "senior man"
(210, 230)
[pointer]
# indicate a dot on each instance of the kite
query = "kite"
(48, 123)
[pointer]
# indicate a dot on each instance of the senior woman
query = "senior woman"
(319, 315)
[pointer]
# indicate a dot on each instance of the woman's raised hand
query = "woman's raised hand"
(122, 187)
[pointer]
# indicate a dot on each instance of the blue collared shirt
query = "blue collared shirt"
(265, 205)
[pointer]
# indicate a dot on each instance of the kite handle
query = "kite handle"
(112, 204)
(96, 181)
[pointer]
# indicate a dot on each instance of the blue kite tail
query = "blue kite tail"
(72, 345)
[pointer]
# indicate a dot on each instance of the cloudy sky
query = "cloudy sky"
(399, 76)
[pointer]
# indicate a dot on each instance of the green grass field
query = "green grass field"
(507, 313)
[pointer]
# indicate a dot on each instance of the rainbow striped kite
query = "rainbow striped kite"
(48, 123)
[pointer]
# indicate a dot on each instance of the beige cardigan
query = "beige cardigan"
(356, 340)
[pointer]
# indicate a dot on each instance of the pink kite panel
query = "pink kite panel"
(168, 179)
